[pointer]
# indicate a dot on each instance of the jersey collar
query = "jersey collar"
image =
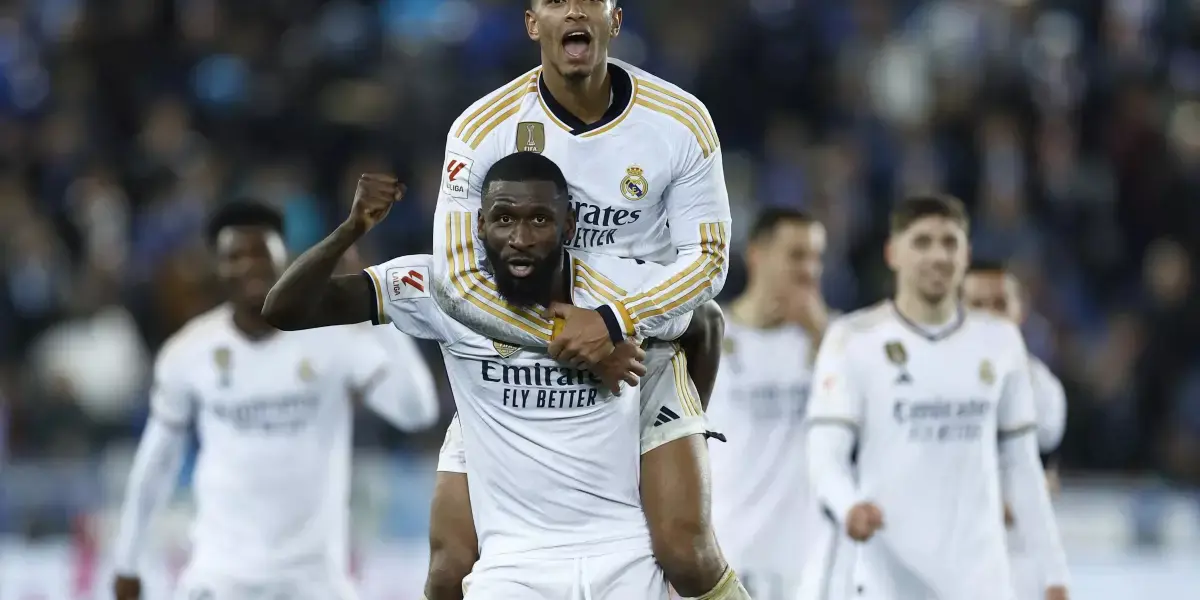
(934, 335)
(622, 94)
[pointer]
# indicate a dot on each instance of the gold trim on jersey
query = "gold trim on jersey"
(382, 317)
(477, 289)
(686, 111)
(687, 400)
(498, 103)
(685, 285)
(617, 121)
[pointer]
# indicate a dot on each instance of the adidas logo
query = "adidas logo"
(665, 415)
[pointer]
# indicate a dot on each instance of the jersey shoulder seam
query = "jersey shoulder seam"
(483, 117)
(684, 109)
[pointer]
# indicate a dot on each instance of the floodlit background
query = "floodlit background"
(1071, 128)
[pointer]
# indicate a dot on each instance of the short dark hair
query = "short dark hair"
(914, 208)
(526, 166)
(770, 219)
(533, 3)
(243, 212)
(984, 265)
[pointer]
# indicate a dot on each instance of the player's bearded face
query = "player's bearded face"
(574, 34)
(524, 261)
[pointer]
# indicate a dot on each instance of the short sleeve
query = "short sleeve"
(836, 397)
(364, 357)
(172, 399)
(1017, 410)
(403, 299)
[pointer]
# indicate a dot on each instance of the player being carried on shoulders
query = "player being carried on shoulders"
(924, 389)
(643, 162)
(554, 449)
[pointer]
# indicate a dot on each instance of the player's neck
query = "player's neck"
(922, 312)
(560, 290)
(753, 309)
(251, 324)
(587, 98)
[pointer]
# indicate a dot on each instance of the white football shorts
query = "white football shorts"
(671, 407)
(617, 576)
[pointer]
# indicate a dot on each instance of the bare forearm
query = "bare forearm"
(308, 295)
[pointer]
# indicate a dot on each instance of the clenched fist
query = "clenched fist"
(373, 199)
(863, 521)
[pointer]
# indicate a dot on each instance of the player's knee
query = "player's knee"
(449, 564)
(688, 554)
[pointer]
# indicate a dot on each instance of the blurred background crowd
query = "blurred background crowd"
(1070, 127)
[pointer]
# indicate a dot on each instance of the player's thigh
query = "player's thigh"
(452, 537)
(621, 576)
(675, 487)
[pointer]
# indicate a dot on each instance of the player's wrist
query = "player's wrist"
(612, 323)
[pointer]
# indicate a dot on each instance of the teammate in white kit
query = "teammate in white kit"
(991, 287)
(924, 388)
(761, 511)
(554, 468)
(644, 165)
(273, 412)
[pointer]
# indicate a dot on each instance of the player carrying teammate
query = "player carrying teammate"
(273, 412)
(991, 287)
(554, 455)
(643, 162)
(761, 513)
(924, 388)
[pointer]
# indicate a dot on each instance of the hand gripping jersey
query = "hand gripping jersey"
(646, 182)
(927, 410)
(762, 511)
(554, 457)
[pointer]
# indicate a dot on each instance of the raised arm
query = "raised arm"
(309, 295)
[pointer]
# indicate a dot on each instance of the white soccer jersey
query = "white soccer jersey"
(761, 508)
(555, 457)
(646, 182)
(273, 417)
(1051, 405)
(928, 410)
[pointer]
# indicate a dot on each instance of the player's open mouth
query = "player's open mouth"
(520, 267)
(577, 43)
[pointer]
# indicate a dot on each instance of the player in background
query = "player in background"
(644, 166)
(554, 457)
(273, 413)
(761, 513)
(991, 287)
(924, 388)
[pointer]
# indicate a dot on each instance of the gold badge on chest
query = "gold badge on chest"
(222, 359)
(531, 137)
(987, 373)
(634, 186)
(305, 371)
(504, 350)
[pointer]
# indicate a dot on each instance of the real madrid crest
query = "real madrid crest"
(728, 346)
(504, 350)
(305, 371)
(987, 373)
(896, 353)
(634, 186)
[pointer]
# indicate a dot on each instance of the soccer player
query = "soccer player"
(643, 161)
(991, 287)
(925, 389)
(273, 413)
(762, 514)
(554, 453)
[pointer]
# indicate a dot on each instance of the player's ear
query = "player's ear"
(569, 226)
(889, 252)
(617, 17)
(531, 25)
(479, 226)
